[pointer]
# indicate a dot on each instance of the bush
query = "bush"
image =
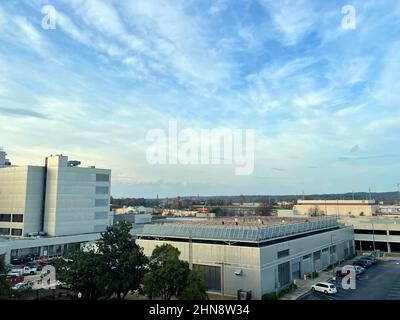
(315, 274)
(269, 296)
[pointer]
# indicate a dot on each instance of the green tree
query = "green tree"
(4, 286)
(84, 271)
(124, 261)
(196, 287)
(168, 275)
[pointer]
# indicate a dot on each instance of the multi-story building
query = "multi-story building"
(336, 207)
(259, 254)
(59, 199)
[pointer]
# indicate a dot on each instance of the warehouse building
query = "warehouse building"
(257, 255)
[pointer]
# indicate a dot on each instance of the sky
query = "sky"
(322, 100)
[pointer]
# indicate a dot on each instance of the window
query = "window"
(100, 228)
(102, 177)
(100, 215)
(102, 190)
(16, 232)
(394, 233)
(5, 217)
(283, 253)
(308, 256)
(18, 218)
(101, 203)
(370, 231)
(5, 231)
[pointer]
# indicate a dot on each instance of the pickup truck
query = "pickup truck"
(23, 271)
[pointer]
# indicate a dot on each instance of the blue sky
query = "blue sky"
(323, 101)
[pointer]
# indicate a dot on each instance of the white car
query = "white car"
(324, 287)
(359, 269)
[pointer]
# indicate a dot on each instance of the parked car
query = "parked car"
(359, 269)
(362, 263)
(22, 286)
(13, 280)
(341, 274)
(372, 259)
(36, 265)
(324, 287)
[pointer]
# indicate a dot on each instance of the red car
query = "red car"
(13, 280)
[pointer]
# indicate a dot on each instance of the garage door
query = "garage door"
(296, 270)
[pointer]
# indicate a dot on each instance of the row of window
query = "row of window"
(14, 232)
(100, 177)
(377, 232)
(8, 217)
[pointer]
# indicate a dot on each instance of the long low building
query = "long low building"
(336, 207)
(258, 255)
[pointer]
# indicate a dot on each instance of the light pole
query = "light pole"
(373, 235)
(331, 250)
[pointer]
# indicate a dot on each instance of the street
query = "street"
(379, 282)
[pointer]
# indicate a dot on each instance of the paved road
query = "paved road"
(379, 282)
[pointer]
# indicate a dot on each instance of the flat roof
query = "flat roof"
(254, 229)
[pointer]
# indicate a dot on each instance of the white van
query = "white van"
(324, 287)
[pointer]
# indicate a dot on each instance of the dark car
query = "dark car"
(369, 258)
(36, 265)
(362, 263)
(341, 274)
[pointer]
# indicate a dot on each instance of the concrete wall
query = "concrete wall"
(299, 249)
(70, 199)
(21, 192)
(227, 257)
(342, 209)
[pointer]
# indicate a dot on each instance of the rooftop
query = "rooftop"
(255, 229)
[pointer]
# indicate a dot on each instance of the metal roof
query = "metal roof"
(232, 232)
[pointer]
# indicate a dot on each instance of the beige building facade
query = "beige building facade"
(336, 207)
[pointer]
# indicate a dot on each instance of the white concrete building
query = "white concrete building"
(260, 255)
(57, 200)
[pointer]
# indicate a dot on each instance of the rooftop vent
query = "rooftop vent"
(73, 163)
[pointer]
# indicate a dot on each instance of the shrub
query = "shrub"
(269, 296)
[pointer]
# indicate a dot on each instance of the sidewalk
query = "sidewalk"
(304, 286)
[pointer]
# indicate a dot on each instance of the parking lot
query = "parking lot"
(379, 282)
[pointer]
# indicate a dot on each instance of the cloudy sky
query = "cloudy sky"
(322, 100)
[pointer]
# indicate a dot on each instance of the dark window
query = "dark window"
(369, 231)
(16, 232)
(283, 253)
(5, 217)
(102, 190)
(101, 203)
(308, 256)
(5, 231)
(284, 273)
(394, 233)
(317, 255)
(18, 218)
(100, 215)
(102, 177)
(100, 228)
